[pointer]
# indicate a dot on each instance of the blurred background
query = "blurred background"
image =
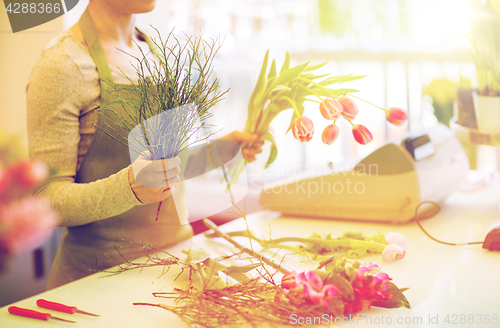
(415, 54)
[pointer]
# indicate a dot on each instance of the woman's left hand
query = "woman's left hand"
(250, 150)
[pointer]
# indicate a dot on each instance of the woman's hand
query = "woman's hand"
(251, 149)
(154, 180)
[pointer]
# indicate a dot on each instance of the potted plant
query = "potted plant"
(485, 51)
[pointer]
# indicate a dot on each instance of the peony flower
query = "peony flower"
(26, 223)
(369, 285)
(350, 110)
(361, 134)
(393, 252)
(396, 116)
(330, 134)
(303, 129)
(29, 174)
(330, 108)
(397, 238)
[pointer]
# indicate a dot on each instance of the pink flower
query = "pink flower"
(330, 134)
(28, 174)
(308, 287)
(366, 268)
(396, 116)
(350, 110)
(330, 108)
(393, 252)
(303, 129)
(369, 285)
(4, 183)
(361, 134)
(26, 223)
(397, 238)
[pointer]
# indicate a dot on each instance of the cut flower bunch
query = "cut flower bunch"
(342, 290)
(25, 220)
(218, 295)
(167, 108)
(246, 291)
(171, 100)
(290, 88)
(392, 245)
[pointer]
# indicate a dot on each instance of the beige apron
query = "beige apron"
(91, 247)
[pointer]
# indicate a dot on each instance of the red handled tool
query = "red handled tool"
(34, 314)
(61, 307)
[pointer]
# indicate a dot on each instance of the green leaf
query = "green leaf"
(398, 299)
(332, 92)
(213, 266)
(274, 149)
(286, 63)
(342, 284)
(315, 235)
(272, 71)
(196, 254)
(242, 268)
(315, 67)
(341, 79)
(314, 77)
(300, 108)
(261, 81)
(239, 277)
(281, 88)
(290, 73)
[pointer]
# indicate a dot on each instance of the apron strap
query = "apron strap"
(91, 37)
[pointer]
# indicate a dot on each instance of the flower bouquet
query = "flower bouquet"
(168, 106)
(289, 89)
(218, 295)
(25, 220)
(170, 100)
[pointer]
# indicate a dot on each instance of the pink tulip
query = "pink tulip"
(350, 109)
(393, 252)
(330, 134)
(303, 129)
(361, 134)
(28, 174)
(26, 223)
(330, 108)
(288, 281)
(396, 116)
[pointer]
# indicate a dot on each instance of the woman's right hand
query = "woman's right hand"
(154, 180)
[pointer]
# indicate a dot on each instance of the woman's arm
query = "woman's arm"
(60, 86)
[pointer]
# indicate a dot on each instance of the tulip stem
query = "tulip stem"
(368, 102)
(211, 225)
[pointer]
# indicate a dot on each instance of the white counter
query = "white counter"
(458, 283)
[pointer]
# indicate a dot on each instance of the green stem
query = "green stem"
(209, 224)
(273, 243)
(368, 102)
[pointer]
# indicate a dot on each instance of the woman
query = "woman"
(94, 186)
